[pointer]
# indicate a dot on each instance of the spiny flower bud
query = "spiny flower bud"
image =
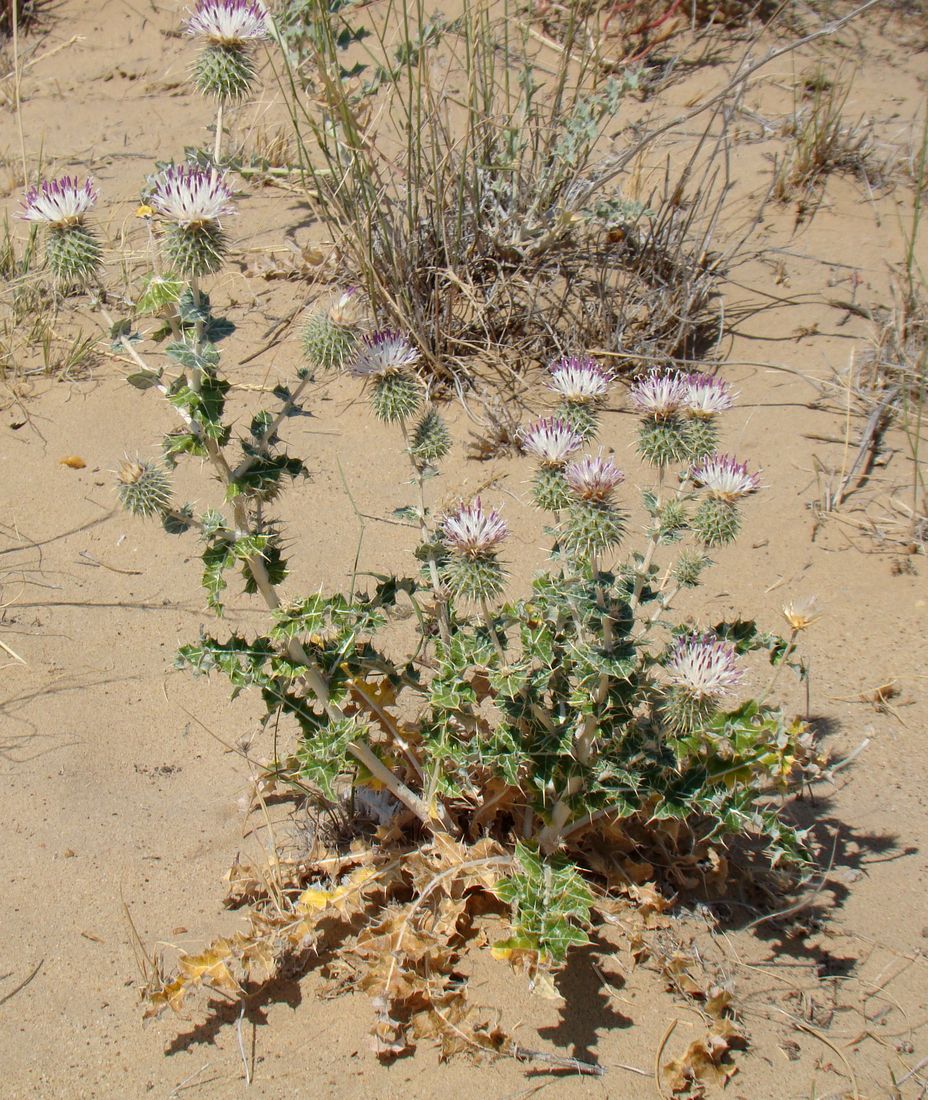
(549, 489)
(71, 248)
(431, 440)
(143, 488)
(330, 336)
(385, 357)
(582, 384)
(471, 535)
(225, 67)
(590, 528)
(193, 199)
(689, 568)
(664, 440)
(716, 522)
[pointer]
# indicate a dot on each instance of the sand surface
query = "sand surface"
(119, 798)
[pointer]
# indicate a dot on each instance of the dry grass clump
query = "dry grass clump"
(821, 141)
(468, 187)
(886, 387)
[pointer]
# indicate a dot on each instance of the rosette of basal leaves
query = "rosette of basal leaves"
(550, 903)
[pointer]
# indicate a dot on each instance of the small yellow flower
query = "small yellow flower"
(145, 211)
(802, 613)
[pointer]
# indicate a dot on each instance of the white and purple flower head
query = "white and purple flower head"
(60, 202)
(705, 395)
(703, 666)
(192, 196)
(384, 353)
(593, 477)
(229, 22)
(579, 380)
(471, 531)
(551, 440)
(725, 478)
(660, 394)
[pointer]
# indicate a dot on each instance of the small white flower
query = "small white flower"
(382, 353)
(705, 395)
(471, 531)
(551, 440)
(59, 202)
(191, 195)
(579, 380)
(593, 477)
(659, 395)
(229, 22)
(725, 478)
(703, 666)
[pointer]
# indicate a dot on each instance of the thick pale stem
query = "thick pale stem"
(217, 145)
(488, 620)
(441, 602)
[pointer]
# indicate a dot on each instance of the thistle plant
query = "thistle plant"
(71, 247)
(520, 734)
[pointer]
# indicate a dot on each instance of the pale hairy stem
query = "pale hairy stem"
(217, 145)
(788, 652)
(441, 603)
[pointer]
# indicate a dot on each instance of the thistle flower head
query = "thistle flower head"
(593, 477)
(59, 203)
(660, 394)
(703, 667)
(384, 353)
(192, 196)
(471, 531)
(725, 478)
(550, 440)
(705, 395)
(802, 613)
(229, 22)
(346, 312)
(579, 380)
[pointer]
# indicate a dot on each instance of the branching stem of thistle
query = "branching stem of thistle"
(246, 464)
(441, 603)
(494, 636)
(642, 576)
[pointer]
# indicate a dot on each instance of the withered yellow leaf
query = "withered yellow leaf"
(73, 462)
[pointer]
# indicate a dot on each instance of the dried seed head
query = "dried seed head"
(143, 488)
(802, 613)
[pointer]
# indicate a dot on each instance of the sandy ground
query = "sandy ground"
(120, 799)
